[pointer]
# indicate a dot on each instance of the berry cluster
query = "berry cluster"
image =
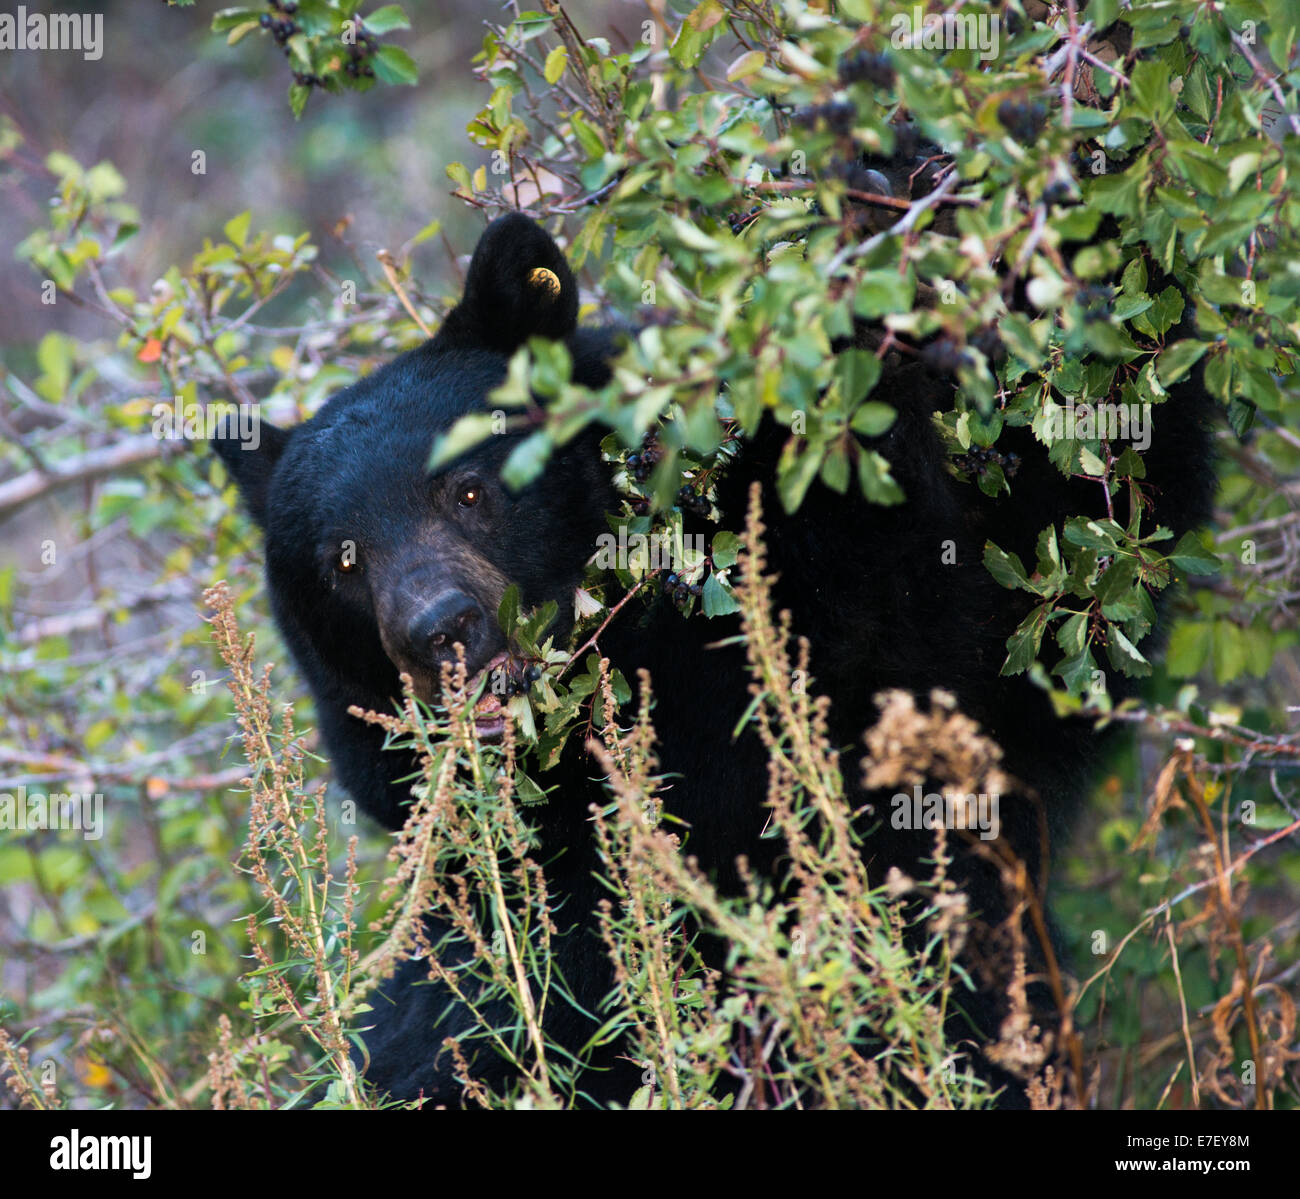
(979, 459)
(641, 463)
(838, 116)
(356, 65)
(945, 356)
(280, 24)
(514, 681)
(864, 66)
(861, 178)
(281, 30)
(1057, 192)
(689, 500)
(738, 220)
(680, 591)
(1023, 121)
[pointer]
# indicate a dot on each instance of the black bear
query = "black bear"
(375, 565)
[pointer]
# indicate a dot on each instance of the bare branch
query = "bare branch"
(93, 464)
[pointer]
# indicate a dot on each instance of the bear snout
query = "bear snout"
(419, 634)
(452, 617)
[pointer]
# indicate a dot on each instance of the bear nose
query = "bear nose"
(451, 617)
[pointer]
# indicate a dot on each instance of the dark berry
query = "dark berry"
(865, 67)
(1057, 192)
(1023, 121)
(943, 356)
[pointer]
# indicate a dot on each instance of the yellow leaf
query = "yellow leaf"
(745, 65)
(94, 1074)
(556, 62)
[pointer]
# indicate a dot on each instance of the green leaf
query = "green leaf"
(747, 64)
(1078, 672)
(1097, 535)
(508, 610)
(393, 65)
(704, 23)
(835, 468)
(876, 481)
(726, 549)
(1192, 556)
(1024, 643)
(385, 20)
(527, 460)
(1006, 568)
(465, 434)
(1124, 655)
(1178, 359)
(228, 18)
(1189, 649)
(717, 600)
(795, 473)
(882, 292)
(873, 419)
(236, 229)
(1072, 636)
(1229, 651)
(857, 372)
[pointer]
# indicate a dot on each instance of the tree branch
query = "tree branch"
(93, 464)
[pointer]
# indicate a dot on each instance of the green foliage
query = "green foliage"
(328, 43)
(726, 215)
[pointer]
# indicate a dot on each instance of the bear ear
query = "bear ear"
(251, 460)
(519, 286)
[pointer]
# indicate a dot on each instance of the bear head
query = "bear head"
(377, 563)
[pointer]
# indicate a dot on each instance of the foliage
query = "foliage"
(732, 213)
(328, 43)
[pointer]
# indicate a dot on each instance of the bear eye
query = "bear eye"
(348, 562)
(470, 495)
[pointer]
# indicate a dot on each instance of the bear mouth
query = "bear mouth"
(489, 710)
